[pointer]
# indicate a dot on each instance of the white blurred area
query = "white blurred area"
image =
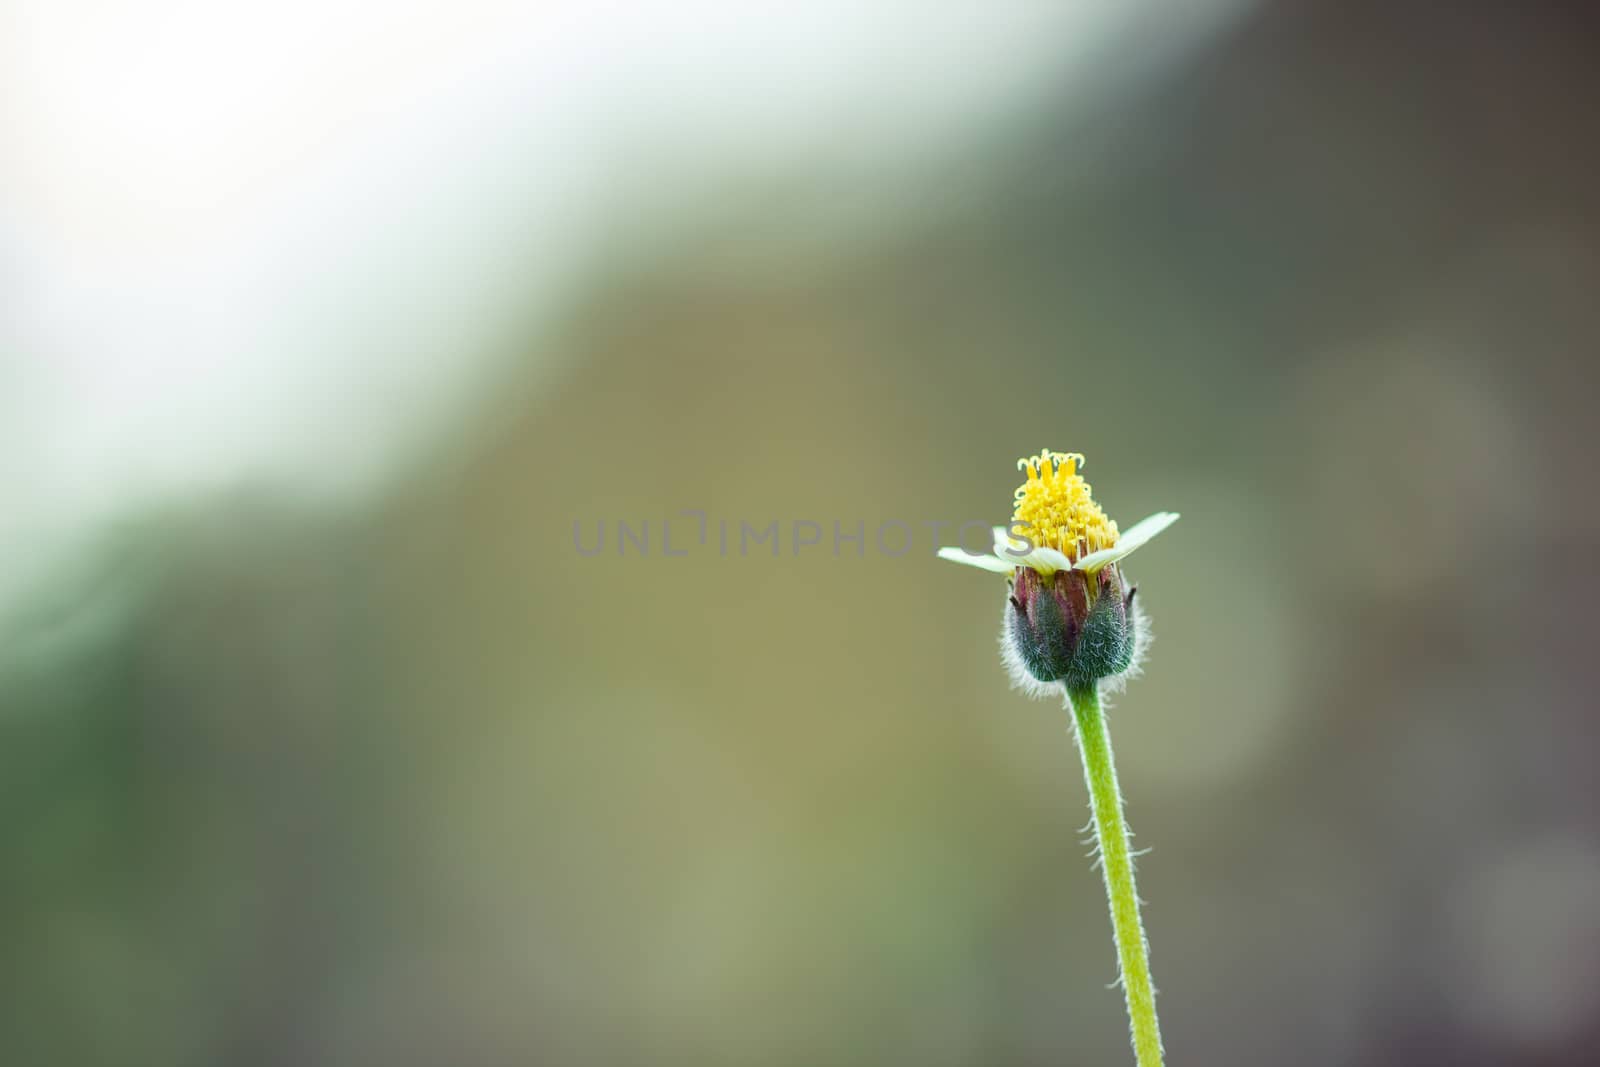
(274, 243)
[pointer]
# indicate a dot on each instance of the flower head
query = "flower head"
(1056, 524)
(1068, 619)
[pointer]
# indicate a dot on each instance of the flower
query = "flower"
(1067, 618)
(1057, 526)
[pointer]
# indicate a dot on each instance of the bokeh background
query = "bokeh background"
(322, 325)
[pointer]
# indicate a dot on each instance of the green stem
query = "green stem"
(1111, 834)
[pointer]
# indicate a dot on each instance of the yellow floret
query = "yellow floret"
(1056, 507)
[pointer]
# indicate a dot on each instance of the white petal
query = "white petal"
(988, 563)
(1146, 528)
(1009, 546)
(1046, 561)
(1132, 538)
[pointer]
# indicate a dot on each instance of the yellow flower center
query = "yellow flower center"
(1056, 507)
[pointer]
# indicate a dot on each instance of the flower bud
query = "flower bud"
(1070, 626)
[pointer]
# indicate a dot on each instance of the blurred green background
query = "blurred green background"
(322, 743)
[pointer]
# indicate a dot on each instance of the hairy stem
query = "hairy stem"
(1116, 862)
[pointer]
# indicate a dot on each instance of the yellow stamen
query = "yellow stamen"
(1056, 507)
